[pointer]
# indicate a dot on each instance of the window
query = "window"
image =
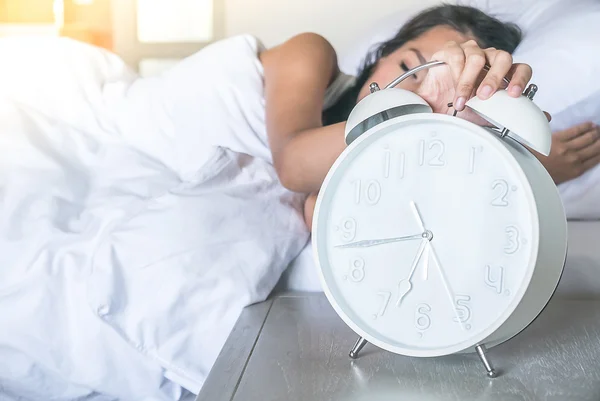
(174, 21)
(26, 12)
(150, 35)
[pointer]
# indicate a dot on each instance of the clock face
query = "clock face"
(426, 235)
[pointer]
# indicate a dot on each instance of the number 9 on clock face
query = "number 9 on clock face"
(426, 236)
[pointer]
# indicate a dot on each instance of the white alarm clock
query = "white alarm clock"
(434, 235)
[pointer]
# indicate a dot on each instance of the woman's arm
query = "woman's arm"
(309, 209)
(297, 74)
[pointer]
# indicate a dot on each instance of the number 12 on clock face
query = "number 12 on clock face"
(431, 153)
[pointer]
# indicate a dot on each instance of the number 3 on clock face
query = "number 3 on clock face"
(442, 233)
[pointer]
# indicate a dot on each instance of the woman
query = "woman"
(305, 143)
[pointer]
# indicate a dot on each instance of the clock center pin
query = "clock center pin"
(428, 235)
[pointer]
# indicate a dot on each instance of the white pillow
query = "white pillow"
(525, 13)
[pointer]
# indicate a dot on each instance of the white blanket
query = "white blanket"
(130, 238)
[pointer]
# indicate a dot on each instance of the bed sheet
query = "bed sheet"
(580, 279)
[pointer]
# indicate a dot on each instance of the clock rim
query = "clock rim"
(372, 134)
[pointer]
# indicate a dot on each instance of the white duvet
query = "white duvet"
(130, 237)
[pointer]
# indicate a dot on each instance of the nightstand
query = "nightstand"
(294, 347)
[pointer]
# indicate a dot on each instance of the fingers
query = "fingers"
(590, 163)
(573, 132)
(584, 140)
(452, 54)
(520, 75)
(474, 61)
(499, 68)
(455, 58)
(466, 62)
(590, 151)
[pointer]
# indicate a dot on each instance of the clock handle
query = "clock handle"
(427, 66)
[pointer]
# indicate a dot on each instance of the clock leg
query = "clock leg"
(482, 352)
(360, 343)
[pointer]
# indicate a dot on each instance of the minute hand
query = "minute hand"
(449, 292)
(373, 242)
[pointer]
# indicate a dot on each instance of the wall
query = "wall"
(89, 22)
(273, 21)
(340, 21)
(95, 14)
(26, 11)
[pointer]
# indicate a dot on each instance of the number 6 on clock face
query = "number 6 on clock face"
(450, 234)
(422, 319)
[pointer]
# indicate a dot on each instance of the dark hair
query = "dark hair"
(486, 30)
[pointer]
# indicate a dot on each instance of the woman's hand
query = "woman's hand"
(463, 76)
(574, 151)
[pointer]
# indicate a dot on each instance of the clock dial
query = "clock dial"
(427, 235)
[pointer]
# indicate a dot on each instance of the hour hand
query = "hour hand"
(372, 242)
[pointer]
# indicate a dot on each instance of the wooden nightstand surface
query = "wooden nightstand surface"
(294, 347)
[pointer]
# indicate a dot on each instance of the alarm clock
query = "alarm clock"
(434, 235)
